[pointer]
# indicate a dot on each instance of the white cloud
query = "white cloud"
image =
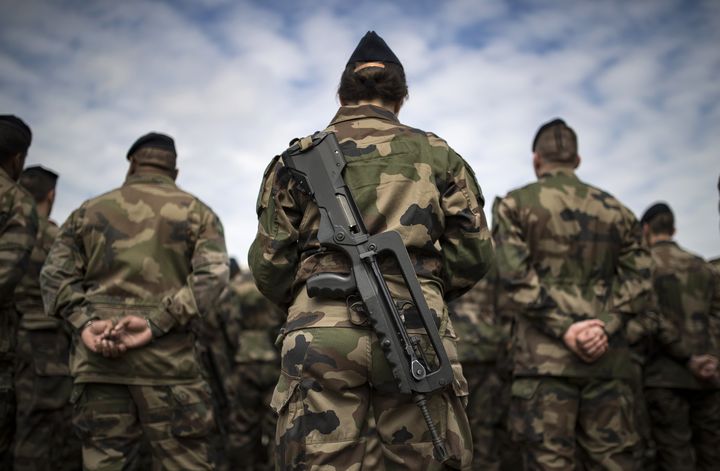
(233, 82)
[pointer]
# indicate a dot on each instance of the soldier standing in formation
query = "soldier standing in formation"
(682, 392)
(571, 262)
(333, 369)
(18, 228)
(44, 439)
(128, 272)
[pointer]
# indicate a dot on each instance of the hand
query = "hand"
(589, 346)
(96, 337)
(704, 367)
(132, 332)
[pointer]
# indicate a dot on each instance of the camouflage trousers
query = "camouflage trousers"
(8, 326)
(487, 411)
(330, 379)
(112, 420)
(251, 423)
(686, 428)
(44, 439)
(574, 423)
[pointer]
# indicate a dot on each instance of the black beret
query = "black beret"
(556, 141)
(655, 210)
(153, 139)
(372, 48)
(15, 135)
(41, 172)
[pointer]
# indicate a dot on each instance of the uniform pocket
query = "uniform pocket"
(82, 418)
(523, 416)
(192, 415)
(283, 393)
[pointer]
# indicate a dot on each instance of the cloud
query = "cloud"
(235, 81)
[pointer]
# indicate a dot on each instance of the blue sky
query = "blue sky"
(233, 82)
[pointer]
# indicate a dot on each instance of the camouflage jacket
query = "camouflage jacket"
(402, 179)
(18, 228)
(261, 322)
(482, 332)
(567, 251)
(28, 298)
(147, 249)
(688, 294)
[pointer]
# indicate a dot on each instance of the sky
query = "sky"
(234, 81)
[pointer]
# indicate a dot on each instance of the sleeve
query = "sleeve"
(632, 292)
(62, 275)
(714, 321)
(209, 275)
(273, 256)
(466, 242)
(518, 280)
(17, 239)
(652, 330)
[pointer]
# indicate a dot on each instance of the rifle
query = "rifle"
(317, 163)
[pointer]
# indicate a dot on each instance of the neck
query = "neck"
(150, 170)
(43, 209)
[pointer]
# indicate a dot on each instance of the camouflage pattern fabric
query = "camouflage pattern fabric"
(562, 421)
(685, 428)
(483, 336)
(44, 439)
(684, 411)
(18, 228)
(566, 252)
(329, 380)
(112, 419)
(405, 180)
(151, 250)
(147, 249)
(255, 372)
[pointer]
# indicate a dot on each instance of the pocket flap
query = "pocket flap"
(284, 390)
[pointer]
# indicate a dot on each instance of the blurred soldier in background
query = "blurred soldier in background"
(572, 265)
(482, 350)
(18, 230)
(44, 439)
(217, 337)
(255, 372)
(129, 270)
(683, 390)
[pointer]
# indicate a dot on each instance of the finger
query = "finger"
(600, 346)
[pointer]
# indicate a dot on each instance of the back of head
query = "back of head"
(556, 142)
(154, 150)
(373, 72)
(38, 181)
(15, 136)
(659, 219)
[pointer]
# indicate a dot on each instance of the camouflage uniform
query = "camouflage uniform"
(44, 438)
(217, 344)
(154, 251)
(685, 412)
(566, 252)
(332, 370)
(255, 373)
(18, 228)
(482, 342)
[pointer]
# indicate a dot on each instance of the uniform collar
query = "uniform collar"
(664, 242)
(559, 171)
(355, 112)
(149, 178)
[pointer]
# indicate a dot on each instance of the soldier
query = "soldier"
(333, 369)
(129, 270)
(255, 373)
(572, 265)
(683, 391)
(18, 228)
(43, 428)
(217, 345)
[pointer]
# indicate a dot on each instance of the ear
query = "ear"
(537, 162)
(174, 174)
(51, 196)
(578, 159)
